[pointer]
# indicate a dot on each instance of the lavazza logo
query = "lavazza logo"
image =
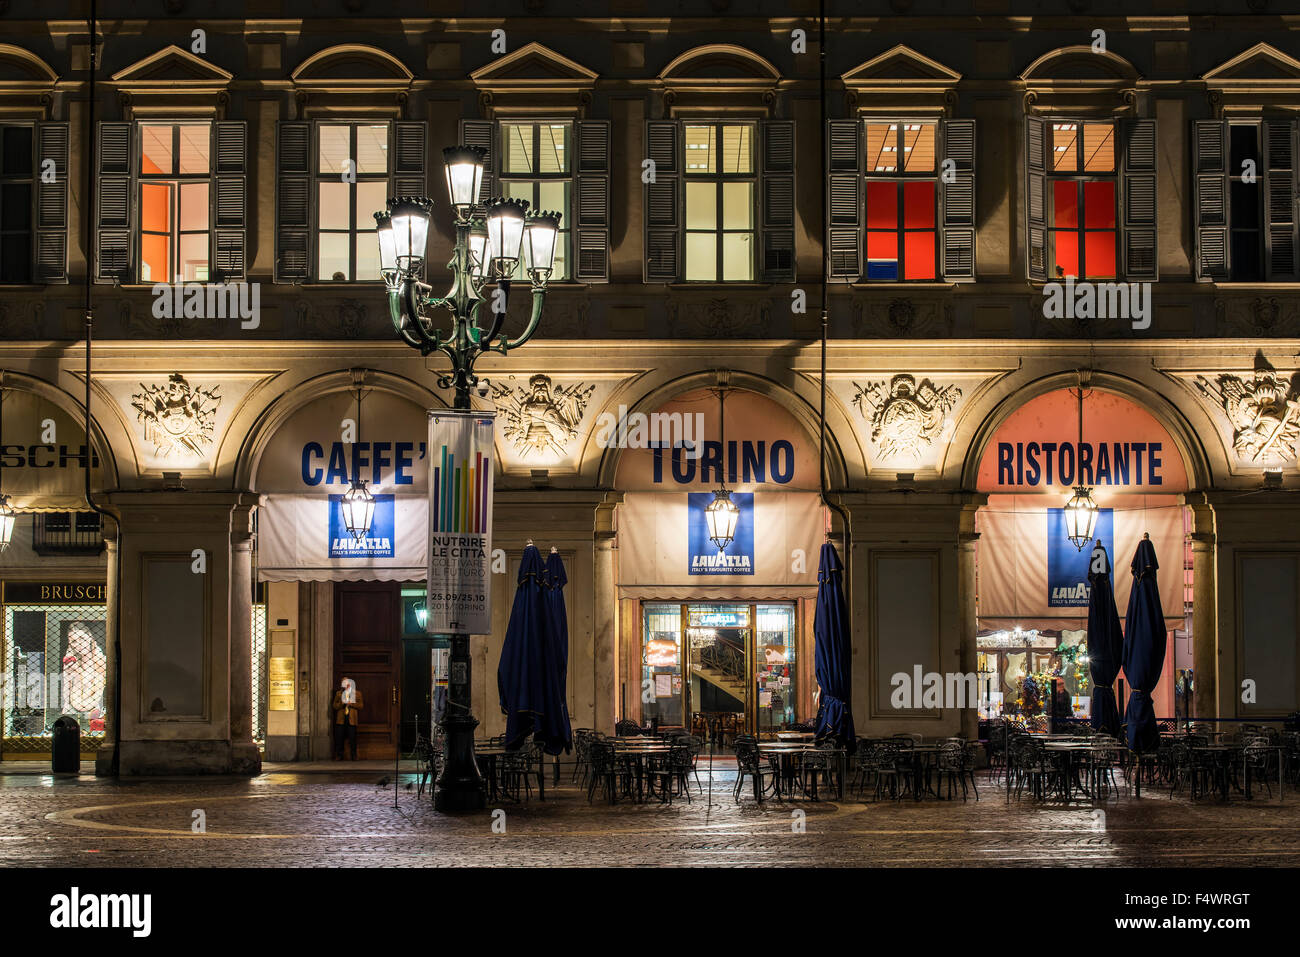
(209, 300)
(1094, 300)
(76, 910)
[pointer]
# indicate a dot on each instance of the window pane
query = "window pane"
(156, 149)
(196, 143)
(372, 197)
(335, 146)
(918, 147)
(918, 255)
(517, 140)
(1099, 254)
(334, 202)
(701, 257)
(882, 147)
(1098, 147)
(882, 255)
(701, 206)
(700, 150)
(1245, 204)
(333, 263)
(737, 256)
(737, 205)
(1099, 207)
(155, 258)
(514, 189)
(1067, 254)
(1247, 264)
(156, 207)
(17, 157)
(560, 265)
(553, 150)
(194, 206)
(16, 206)
(16, 257)
(918, 205)
(1243, 144)
(737, 149)
(194, 257)
(367, 246)
(1065, 147)
(372, 149)
(1065, 203)
(554, 196)
(882, 205)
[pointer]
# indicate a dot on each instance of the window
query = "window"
(1245, 170)
(1083, 210)
(537, 166)
(901, 201)
(352, 170)
(16, 185)
(175, 178)
(719, 174)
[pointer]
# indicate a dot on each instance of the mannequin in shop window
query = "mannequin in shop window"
(347, 715)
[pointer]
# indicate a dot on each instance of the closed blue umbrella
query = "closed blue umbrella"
(522, 675)
(832, 652)
(1144, 648)
(1105, 642)
(555, 731)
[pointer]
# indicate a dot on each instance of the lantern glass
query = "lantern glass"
(387, 243)
(7, 517)
(410, 219)
(421, 614)
(464, 167)
(505, 227)
(1080, 517)
(721, 517)
(478, 252)
(358, 510)
(540, 234)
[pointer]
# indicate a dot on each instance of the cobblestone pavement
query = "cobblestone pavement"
(333, 819)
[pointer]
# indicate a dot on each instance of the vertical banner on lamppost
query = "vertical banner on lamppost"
(461, 466)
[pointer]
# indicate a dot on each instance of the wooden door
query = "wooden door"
(367, 616)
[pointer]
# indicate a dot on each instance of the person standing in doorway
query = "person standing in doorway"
(347, 715)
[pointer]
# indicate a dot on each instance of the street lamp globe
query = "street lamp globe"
(1080, 517)
(358, 510)
(721, 516)
(478, 252)
(387, 244)
(464, 167)
(540, 233)
(505, 230)
(7, 516)
(410, 225)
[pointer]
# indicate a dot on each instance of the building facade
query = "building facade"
(1062, 251)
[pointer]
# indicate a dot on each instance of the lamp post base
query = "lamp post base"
(460, 786)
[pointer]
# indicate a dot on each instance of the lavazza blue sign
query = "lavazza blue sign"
(1067, 565)
(377, 544)
(704, 557)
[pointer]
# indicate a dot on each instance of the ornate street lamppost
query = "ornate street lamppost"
(488, 250)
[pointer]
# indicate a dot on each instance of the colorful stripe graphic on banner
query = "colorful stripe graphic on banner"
(460, 492)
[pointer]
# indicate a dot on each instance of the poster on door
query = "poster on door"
(1067, 566)
(461, 474)
(703, 556)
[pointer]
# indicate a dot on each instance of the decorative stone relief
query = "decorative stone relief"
(719, 318)
(900, 317)
(543, 418)
(1264, 409)
(16, 323)
(177, 418)
(905, 417)
(1259, 316)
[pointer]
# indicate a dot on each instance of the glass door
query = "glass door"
(774, 662)
(719, 638)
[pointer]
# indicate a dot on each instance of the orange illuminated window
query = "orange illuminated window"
(1082, 200)
(174, 174)
(901, 194)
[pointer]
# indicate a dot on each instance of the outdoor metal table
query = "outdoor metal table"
(489, 753)
(920, 755)
(1067, 750)
(785, 749)
(637, 752)
(1225, 751)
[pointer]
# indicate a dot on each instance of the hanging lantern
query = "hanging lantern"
(421, 614)
(7, 516)
(1080, 517)
(358, 510)
(721, 516)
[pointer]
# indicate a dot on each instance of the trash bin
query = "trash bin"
(66, 756)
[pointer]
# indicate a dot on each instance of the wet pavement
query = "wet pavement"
(297, 816)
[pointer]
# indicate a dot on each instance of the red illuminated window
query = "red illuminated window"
(1082, 201)
(901, 187)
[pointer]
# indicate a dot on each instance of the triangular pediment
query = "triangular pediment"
(534, 64)
(352, 66)
(1260, 62)
(900, 64)
(172, 65)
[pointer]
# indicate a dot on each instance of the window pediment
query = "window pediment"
(1079, 67)
(533, 67)
(900, 79)
(1261, 69)
(719, 64)
(22, 69)
(352, 68)
(169, 68)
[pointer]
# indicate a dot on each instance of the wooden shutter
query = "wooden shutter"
(591, 204)
(1210, 170)
(482, 133)
(293, 201)
(229, 203)
(959, 202)
(1139, 184)
(113, 203)
(1280, 200)
(777, 179)
(844, 199)
(408, 173)
(663, 202)
(50, 249)
(1036, 197)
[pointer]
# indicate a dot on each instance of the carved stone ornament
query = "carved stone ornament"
(177, 418)
(906, 418)
(542, 418)
(1264, 409)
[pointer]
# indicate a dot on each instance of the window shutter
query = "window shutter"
(1280, 199)
(51, 246)
(591, 206)
(1210, 168)
(292, 201)
(408, 177)
(1140, 200)
(1036, 196)
(778, 201)
(113, 203)
(959, 202)
(663, 202)
(229, 187)
(844, 199)
(482, 133)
